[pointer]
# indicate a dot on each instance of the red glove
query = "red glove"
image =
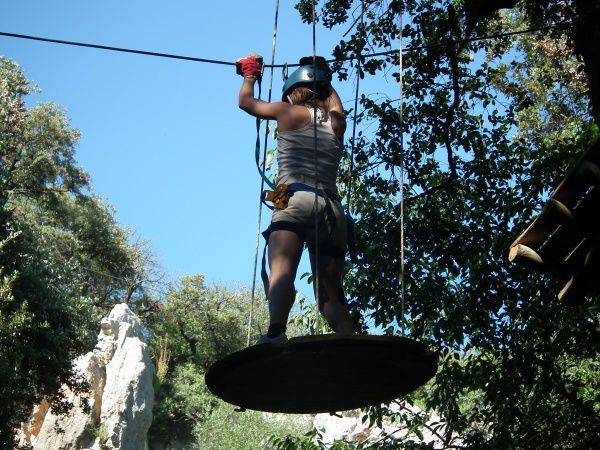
(250, 66)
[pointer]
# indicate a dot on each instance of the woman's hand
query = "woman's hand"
(250, 66)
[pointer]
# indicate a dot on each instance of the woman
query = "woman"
(304, 181)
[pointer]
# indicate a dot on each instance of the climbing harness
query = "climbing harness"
(279, 197)
(282, 193)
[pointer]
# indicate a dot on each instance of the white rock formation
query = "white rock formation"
(120, 373)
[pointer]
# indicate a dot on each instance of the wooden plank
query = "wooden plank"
(584, 278)
(561, 244)
(558, 210)
(539, 230)
(587, 212)
(585, 174)
(571, 293)
(521, 254)
(564, 240)
(568, 236)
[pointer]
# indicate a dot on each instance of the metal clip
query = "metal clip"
(284, 72)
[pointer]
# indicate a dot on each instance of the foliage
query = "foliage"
(63, 259)
(182, 401)
(489, 127)
(305, 320)
(251, 430)
(195, 326)
(313, 440)
(201, 324)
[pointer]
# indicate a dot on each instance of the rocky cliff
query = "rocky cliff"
(119, 403)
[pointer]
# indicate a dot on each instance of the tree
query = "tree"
(195, 326)
(63, 259)
(489, 126)
(584, 34)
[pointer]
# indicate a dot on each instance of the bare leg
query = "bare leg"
(285, 250)
(330, 272)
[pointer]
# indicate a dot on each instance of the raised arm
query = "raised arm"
(336, 110)
(259, 108)
(335, 103)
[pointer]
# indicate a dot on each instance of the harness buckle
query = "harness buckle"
(279, 197)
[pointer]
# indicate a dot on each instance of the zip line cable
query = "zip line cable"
(262, 180)
(117, 49)
(273, 65)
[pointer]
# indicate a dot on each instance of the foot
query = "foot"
(278, 340)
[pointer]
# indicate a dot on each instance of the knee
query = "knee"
(280, 276)
(281, 281)
(282, 269)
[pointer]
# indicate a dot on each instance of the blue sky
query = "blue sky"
(163, 140)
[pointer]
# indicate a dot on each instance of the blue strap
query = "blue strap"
(294, 187)
(261, 170)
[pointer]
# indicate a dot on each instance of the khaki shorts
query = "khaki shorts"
(299, 217)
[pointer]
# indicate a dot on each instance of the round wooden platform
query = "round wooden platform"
(323, 373)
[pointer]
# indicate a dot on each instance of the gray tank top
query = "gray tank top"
(296, 155)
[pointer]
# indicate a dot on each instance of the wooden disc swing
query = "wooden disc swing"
(323, 373)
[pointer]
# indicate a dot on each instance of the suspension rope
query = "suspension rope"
(401, 120)
(262, 180)
(316, 275)
(355, 118)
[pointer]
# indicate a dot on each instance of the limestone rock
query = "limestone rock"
(128, 400)
(119, 404)
(33, 427)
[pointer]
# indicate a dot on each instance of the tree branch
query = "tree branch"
(560, 386)
(451, 113)
(449, 181)
(191, 341)
(476, 10)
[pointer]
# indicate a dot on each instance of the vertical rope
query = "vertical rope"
(262, 181)
(357, 90)
(317, 278)
(401, 119)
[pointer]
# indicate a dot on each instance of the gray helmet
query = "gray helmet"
(305, 76)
